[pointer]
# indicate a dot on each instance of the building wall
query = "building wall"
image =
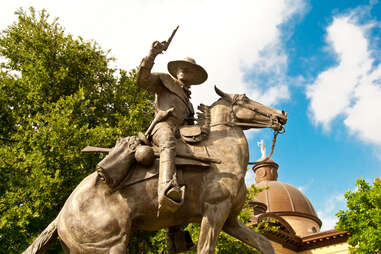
(340, 248)
(279, 249)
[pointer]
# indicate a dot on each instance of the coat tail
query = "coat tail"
(44, 240)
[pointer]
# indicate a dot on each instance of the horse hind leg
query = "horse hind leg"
(238, 230)
(118, 248)
(121, 247)
(65, 249)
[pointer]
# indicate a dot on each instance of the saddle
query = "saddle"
(186, 156)
(115, 169)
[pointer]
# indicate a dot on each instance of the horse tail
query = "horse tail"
(44, 240)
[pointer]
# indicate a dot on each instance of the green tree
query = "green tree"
(58, 94)
(363, 217)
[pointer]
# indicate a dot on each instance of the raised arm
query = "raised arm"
(145, 78)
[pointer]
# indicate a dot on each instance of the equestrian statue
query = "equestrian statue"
(184, 169)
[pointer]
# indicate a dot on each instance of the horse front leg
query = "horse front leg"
(238, 230)
(212, 222)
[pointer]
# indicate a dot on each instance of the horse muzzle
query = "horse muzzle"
(282, 119)
(278, 121)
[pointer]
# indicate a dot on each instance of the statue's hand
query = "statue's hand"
(158, 47)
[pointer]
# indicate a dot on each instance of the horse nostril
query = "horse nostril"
(282, 120)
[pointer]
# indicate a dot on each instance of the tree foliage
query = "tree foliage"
(363, 217)
(58, 94)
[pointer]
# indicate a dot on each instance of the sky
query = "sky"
(317, 60)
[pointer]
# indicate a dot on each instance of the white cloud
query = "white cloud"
(252, 133)
(306, 186)
(352, 89)
(250, 178)
(327, 215)
(329, 221)
(229, 39)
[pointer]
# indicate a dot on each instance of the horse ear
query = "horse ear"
(222, 94)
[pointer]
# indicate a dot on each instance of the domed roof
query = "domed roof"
(285, 199)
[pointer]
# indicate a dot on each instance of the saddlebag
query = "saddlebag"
(115, 166)
(191, 133)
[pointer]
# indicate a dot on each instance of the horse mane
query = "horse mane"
(217, 102)
(203, 119)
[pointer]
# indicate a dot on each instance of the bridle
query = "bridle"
(236, 100)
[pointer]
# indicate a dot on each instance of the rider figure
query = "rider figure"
(170, 92)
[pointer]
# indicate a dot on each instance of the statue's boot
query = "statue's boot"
(170, 194)
(174, 193)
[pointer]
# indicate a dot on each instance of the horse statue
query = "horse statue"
(97, 220)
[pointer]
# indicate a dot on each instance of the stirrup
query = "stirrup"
(168, 204)
(174, 193)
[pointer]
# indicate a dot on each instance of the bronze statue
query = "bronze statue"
(171, 93)
(100, 216)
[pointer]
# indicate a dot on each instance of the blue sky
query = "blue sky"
(317, 60)
(324, 163)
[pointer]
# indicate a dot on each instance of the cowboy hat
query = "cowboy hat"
(199, 74)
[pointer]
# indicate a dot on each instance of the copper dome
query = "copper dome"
(284, 199)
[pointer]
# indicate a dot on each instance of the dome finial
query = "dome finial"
(262, 146)
(265, 169)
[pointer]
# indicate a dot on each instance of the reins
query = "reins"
(235, 121)
(276, 133)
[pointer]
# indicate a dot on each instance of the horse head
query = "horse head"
(248, 113)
